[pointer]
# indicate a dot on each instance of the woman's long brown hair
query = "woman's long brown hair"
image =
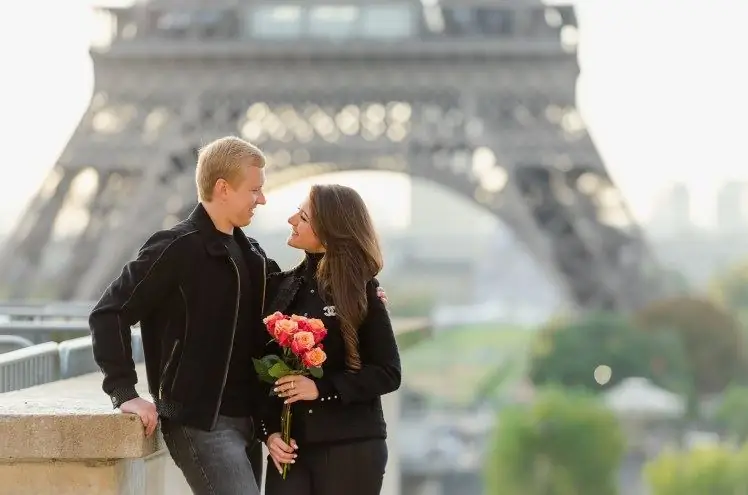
(342, 223)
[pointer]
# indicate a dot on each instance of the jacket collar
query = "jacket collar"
(212, 237)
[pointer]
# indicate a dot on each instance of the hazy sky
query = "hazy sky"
(662, 90)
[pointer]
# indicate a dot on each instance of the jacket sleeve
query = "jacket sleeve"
(380, 371)
(270, 417)
(141, 286)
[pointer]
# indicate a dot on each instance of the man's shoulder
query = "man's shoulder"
(180, 235)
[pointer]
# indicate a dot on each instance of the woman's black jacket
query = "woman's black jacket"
(349, 406)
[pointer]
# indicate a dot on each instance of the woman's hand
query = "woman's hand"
(280, 451)
(295, 388)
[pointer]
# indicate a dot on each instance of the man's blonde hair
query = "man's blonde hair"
(224, 159)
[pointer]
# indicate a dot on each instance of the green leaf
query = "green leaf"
(262, 370)
(316, 372)
(271, 359)
(279, 369)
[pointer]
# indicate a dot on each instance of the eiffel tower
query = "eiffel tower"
(478, 96)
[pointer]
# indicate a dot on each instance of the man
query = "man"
(197, 290)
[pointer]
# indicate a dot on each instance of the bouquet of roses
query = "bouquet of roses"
(301, 354)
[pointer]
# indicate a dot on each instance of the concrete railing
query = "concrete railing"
(64, 438)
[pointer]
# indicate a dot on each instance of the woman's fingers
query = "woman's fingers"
(277, 464)
(282, 452)
(282, 457)
(283, 446)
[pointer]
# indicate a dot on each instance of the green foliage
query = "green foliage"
(730, 288)
(567, 353)
(711, 337)
(674, 281)
(264, 365)
(564, 444)
(279, 370)
(451, 366)
(411, 338)
(702, 471)
(732, 414)
(410, 304)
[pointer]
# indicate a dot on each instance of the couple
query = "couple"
(200, 291)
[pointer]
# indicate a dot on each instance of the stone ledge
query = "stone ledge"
(72, 420)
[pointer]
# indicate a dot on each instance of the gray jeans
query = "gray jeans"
(218, 462)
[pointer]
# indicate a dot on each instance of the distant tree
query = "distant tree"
(713, 470)
(712, 339)
(564, 444)
(568, 353)
(732, 413)
(730, 288)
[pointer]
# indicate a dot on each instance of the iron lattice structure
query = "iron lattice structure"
(476, 96)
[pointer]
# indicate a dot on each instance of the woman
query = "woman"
(338, 429)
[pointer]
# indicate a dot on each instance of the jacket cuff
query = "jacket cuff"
(268, 426)
(326, 389)
(121, 395)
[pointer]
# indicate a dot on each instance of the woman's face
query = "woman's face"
(302, 236)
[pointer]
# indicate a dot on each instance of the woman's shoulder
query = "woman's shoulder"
(276, 282)
(291, 272)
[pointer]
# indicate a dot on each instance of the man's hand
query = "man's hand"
(280, 451)
(382, 295)
(146, 410)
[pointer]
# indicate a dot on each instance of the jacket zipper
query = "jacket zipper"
(264, 284)
(166, 368)
(233, 334)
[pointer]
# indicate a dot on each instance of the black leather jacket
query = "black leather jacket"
(183, 288)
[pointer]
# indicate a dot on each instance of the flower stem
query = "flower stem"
(286, 432)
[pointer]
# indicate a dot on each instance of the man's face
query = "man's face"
(242, 198)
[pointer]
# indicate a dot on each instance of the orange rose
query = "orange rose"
(315, 324)
(283, 332)
(302, 342)
(314, 357)
(317, 327)
(271, 320)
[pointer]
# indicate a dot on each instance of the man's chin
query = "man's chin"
(243, 222)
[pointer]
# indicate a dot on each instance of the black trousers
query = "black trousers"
(355, 468)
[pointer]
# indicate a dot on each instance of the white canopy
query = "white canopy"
(639, 397)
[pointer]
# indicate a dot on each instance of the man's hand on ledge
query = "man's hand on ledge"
(146, 410)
